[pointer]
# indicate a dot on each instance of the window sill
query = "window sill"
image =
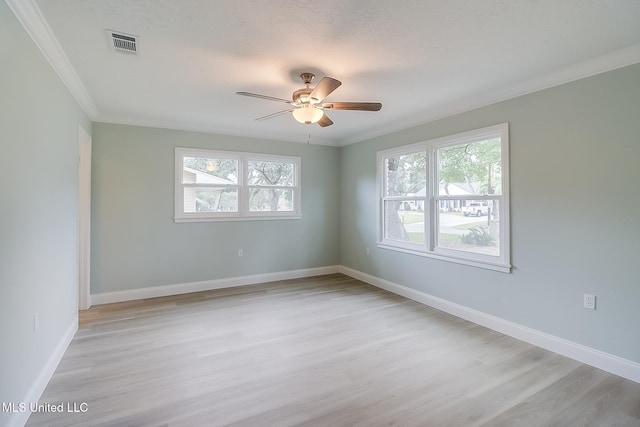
(470, 262)
(236, 218)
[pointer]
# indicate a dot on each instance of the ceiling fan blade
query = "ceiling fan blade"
(324, 88)
(325, 121)
(269, 98)
(359, 106)
(274, 114)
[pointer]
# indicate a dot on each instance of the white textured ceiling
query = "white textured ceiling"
(423, 59)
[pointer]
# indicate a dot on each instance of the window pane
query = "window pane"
(406, 174)
(478, 233)
(271, 173)
(207, 199)
(471, 168)
(209, 170)
(404, 220)
(271, 199)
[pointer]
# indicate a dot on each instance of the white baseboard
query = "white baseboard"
(37, 388)
(599, 359)
(590, 356)
(207, 285)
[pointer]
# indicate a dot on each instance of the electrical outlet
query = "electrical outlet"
(366, 250)
(590, 301)
(240, 252)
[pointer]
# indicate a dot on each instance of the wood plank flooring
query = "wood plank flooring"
(321, 351)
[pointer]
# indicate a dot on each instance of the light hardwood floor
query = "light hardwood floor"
(321, 351)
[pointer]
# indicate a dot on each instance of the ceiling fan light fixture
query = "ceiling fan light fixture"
(307, 114)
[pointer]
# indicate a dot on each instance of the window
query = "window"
(223, 185)
(448, 198)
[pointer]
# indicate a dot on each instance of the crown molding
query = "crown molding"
(30, 16)
(303, 137)
(609, 62)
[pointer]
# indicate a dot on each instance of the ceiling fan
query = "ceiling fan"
(307, 104)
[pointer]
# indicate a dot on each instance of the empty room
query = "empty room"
(305, 213)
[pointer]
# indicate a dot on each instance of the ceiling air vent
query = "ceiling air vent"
(125, 43)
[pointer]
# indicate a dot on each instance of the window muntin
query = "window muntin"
(216, 185)
(448, 198)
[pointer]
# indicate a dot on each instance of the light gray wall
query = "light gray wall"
(39, 122)
(136, 244)
(575, 181)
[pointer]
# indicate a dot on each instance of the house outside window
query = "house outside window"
(221, 185)
(448, 198)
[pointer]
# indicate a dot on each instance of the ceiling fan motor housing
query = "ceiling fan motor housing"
(301, 96)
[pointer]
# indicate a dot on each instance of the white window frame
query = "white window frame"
(430, 248)
(243, 213)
